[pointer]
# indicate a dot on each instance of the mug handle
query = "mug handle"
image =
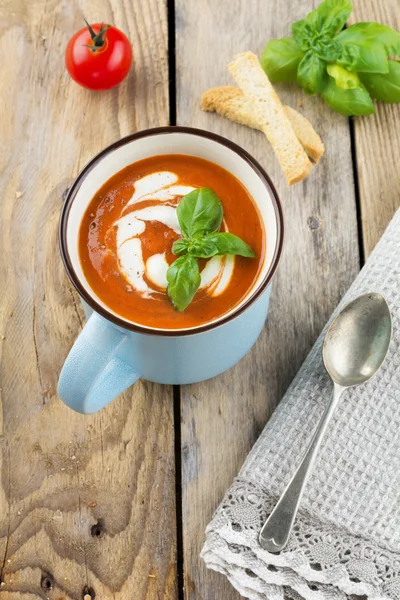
(93, 375)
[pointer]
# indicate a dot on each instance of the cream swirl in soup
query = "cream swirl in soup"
(154, 200)
(128, 231)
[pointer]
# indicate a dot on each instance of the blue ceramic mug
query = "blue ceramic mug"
(111, 353)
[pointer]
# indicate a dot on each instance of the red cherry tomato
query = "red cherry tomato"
(98, 57)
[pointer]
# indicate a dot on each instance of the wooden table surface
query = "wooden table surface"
(115, 505)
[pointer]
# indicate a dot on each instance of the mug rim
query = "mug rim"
(169, 129)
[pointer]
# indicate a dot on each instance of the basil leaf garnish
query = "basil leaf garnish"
(303, 34)
(183, 278)
(200, 214)
(326, 49)
(180, 246)
(356, 101)
(385, 88)
(199, 211)
(280, 59)
(361, 33)
(202, 248)
(344, 79)
(311, 73)
(198, 247)
(370, 51)
(330, 16)
(363, 57)
(228, 243)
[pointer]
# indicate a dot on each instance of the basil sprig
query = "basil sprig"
(200, 216)
(348, 67)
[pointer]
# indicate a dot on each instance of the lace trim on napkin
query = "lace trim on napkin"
(321, 561)
(346, 539)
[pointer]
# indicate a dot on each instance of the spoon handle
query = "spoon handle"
(276, 531)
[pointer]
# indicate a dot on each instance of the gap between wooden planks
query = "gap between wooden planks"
(87, 504)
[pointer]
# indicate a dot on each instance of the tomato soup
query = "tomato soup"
(127, 232)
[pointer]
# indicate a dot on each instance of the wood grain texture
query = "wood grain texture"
(86, 503)
(222, 418)
(377, 140)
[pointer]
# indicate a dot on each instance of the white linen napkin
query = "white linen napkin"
(346, 539)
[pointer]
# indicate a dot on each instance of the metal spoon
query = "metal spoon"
(354, 348)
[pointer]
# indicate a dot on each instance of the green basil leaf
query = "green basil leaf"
(326, 49)
(311, 73)
(184, 279)
(330, 16)
(369, 57)
(202, 247)
(280, 59)
(384, 87)
(350, 102)
(373, 32)
(181, 246)
(199, 211)
(303, 34)
(343, 78)
(227, 243)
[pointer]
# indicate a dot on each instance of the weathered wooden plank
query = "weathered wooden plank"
(377, 140)
(86, 503)
(222, 418)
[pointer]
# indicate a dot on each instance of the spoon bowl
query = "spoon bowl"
(357, 341)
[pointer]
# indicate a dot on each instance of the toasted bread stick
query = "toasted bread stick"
(230, 102)
(256, 86)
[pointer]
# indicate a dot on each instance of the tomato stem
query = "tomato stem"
(99, 38)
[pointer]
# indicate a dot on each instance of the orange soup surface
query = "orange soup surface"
(127, 232)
